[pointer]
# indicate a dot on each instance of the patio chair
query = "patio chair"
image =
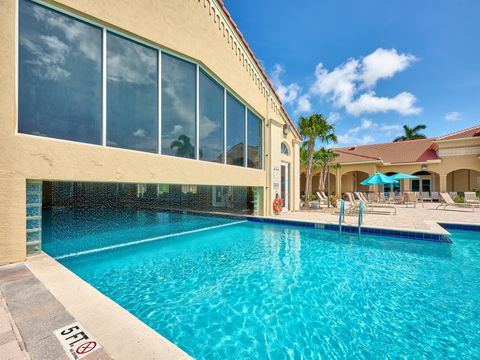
(354, 205)
(411, 199)
(425, 195)
(371, 205)
(322, 200)
(448, 201)
(373, 197)
(453, 194)
(435, 196)
(471, 198)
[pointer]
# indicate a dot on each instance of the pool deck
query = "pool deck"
(42, 296)
(421, 219)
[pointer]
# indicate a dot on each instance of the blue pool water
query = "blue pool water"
(263, 291)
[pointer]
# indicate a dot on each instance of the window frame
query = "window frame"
(105, 29)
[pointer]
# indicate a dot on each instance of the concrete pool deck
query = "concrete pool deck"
(43, 296)
(422, 219)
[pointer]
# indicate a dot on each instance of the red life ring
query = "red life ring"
(277, 206)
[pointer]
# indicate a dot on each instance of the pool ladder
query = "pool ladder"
(341, 217)
(360, 217)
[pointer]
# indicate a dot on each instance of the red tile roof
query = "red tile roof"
(466, 133)
(403, 151)
(394, 152)
(227, 13)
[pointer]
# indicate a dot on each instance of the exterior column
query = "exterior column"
(443, 182)
(338, 180)
(12, 219)
(295, 199)
(34, 217)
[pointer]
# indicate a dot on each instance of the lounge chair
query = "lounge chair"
(411, 199)
(354, 205)
(435, 196)
(448, 201)
(453, 194)
(322, 199)
(471, 198)
(371, 205)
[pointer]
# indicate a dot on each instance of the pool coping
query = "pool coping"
(436, 232)
(122, 335)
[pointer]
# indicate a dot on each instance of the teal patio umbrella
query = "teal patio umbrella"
(403, 176)
(378, 179)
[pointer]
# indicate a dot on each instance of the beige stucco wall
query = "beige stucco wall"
(451, 173)
(193, 28)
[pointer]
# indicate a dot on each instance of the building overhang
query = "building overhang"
(438, 161)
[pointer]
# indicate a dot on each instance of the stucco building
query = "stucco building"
(126, 100)
(446, 163)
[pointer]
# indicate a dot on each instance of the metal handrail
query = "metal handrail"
(360, 217)
(342, 215)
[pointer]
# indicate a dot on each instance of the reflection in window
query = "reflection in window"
(131, 95)
(178, 107)
(211, 119)
(254, 141)
(284, 149)
(60, 75)
(235, 131)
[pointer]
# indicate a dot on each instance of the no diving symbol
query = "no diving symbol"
(86, 347)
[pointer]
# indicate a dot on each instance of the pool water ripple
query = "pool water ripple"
(274, 292)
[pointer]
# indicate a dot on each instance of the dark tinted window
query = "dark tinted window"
(60, 75)
(132, 97)
(211, 119)
(235, 131)
(254, 141)
(178, 107)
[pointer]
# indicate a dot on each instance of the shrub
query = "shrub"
(459, 199)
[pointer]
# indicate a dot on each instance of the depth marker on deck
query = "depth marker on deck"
(76, 341)
(111, 247)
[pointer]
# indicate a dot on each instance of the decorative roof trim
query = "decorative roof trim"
(275, 101)
(458, 132)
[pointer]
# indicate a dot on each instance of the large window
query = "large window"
(64, 66)
(60, 75)
(211, 119)
(132, 98)
(235, 131)
(178, 107)
(254, 141)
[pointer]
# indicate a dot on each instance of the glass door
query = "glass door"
(284, 185)
(426, 185)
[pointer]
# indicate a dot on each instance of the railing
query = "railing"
(342, 215)
(360, 217)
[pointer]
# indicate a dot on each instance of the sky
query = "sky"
(370, 66)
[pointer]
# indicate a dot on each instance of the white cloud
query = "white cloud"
(303, 104)
(383, 64)
(453, 116)
(333, 117)
(350, 85)
(403, 103)
(287, 93)
(362, 133)
(140, 133)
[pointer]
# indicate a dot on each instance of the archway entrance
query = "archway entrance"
(351, 181)
(462, 180)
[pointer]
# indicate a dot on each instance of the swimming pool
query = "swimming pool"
(256, 290)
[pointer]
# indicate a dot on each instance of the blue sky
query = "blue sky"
(370, 65)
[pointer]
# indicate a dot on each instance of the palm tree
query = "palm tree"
(312, 128)
(184, 147)
(411, 133)
(324, 157)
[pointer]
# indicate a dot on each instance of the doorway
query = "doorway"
(284, 184)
